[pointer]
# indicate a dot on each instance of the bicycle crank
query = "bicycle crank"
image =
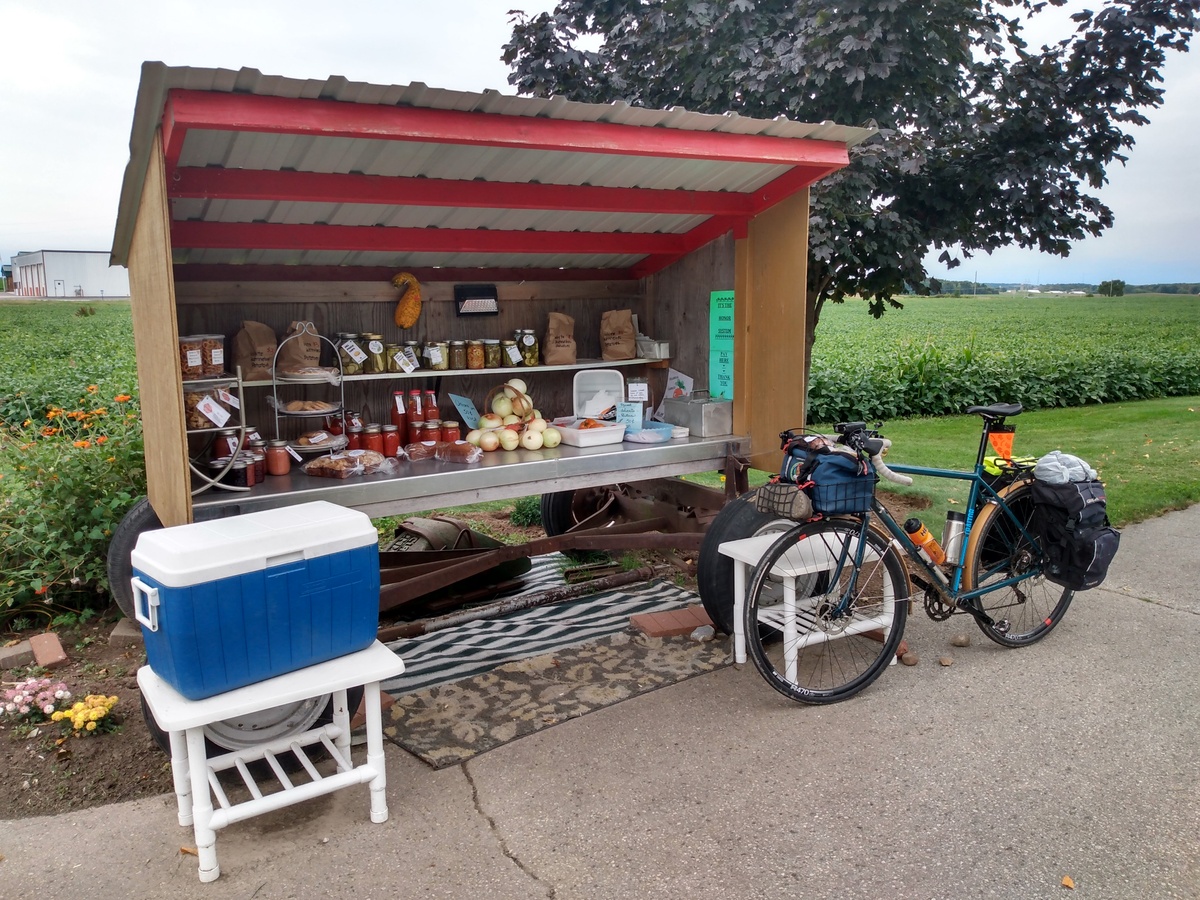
(937, 608)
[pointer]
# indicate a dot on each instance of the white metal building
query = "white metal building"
(68, 274)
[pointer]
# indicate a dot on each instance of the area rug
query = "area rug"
(451, 723)
(473, 648)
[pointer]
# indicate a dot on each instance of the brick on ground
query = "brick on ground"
(671, 622)
(18, 656)
(48, 650)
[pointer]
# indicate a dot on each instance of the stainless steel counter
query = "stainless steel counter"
(501, 475)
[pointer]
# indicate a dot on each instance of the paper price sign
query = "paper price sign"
(208, 408)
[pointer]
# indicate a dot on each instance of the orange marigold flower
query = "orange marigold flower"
(49, 432)
(92, 388)
(53, 413)
(42, 589)
(122, 398)
(100, 411)
(110, 459)
(27, 423)
(82, 445)
(102, 439)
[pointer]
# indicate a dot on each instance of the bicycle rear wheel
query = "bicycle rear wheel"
(997, 550)
(819, 627)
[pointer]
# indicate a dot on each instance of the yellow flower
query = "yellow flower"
(92, 388)
(91, 726)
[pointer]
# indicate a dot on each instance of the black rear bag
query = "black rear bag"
(1072, 524)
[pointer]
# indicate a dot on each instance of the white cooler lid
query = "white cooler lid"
(222, 548)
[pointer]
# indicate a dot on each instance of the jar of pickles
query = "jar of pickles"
(412, 349)
(437, 354)
(458, 354)
(392, 354)
(491, 353)
(350, 352)
(475, 357)
(528, 343)
(510, 355)
(376, 362)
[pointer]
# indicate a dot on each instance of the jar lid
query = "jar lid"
(210, 337)
(491, 340)
(356, 429)
(448, 423)
(371, 336)
(391, 428)
(509, 342)
(371, 429)
(277, 443)
(258, 443)
(458, 343)
(345, 335)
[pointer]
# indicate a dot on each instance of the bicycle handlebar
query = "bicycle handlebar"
(874, 445)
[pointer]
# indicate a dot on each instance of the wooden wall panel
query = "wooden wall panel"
(677, 302)
(769, 388)
(151, 288)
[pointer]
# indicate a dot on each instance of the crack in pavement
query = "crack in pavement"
(551, 892)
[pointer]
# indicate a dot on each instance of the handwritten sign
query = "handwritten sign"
(630, 414)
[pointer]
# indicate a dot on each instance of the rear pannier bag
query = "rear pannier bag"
(1072, 524)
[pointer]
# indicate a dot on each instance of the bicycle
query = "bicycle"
(826, 605)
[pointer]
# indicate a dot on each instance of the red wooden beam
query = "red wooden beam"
(328, 118)
(269, 236)
(318, 187)
(197, 272)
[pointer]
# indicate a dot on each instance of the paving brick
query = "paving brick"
(126, 633)
(47, 650)
(18, 656)
(671, 622)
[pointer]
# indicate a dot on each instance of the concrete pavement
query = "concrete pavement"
(993, 777)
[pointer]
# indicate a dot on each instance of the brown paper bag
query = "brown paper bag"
(617, 337)
(304, 351)
(254, 350)
(558, 349)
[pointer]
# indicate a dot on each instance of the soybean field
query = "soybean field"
(939, 355)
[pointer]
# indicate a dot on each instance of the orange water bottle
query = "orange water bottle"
(924, 539)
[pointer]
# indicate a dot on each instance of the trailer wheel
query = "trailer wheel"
(714, 572)
(563, 510)
(281, 722)
(140, 518)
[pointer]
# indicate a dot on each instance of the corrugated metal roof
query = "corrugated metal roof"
(305, 193)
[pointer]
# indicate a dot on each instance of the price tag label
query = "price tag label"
(294, 455)
(208, 408)
(354, 351)
(318, 437)
(399, 398)
(228, 399)
(514, 355)
(375, 346)
(639, 391)
(218, 356)
(630, 415)
(403, 359)
(435, 356)
(411, 356)
(193, 359)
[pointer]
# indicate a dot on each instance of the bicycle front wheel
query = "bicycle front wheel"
(821, 626)
(1026, 610)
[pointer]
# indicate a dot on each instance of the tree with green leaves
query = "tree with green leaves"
(984, 141)
(1114, 288)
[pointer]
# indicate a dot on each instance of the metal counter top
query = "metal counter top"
(500, 475)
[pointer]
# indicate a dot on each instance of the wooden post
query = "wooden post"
(771, 268)
(156, 335)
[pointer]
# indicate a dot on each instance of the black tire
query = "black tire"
(848, 624)
(140, 518)
(1025, 612)
(714, 573)
(288, 720)
(563, 510)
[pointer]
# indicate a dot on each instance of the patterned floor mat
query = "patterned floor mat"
(452, 723)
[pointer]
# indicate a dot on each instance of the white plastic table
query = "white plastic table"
(807, 558)
(195, 774)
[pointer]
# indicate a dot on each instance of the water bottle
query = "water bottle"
(925, 541)
(952, 536)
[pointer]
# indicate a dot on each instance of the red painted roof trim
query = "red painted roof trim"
(245, 273)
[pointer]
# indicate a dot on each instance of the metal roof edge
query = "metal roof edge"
(147, 111)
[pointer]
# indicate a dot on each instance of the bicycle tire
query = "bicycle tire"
(836, 655)
(1025, 612)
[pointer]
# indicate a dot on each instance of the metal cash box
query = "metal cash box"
(700, 414)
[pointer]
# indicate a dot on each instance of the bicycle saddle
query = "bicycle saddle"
(996, 410)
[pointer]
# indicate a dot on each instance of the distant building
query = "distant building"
(68, 274)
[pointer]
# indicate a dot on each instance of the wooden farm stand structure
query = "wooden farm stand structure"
(250, 197)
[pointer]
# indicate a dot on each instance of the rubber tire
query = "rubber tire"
(354, 697)
(990, 542)
(877, 652)
(140, 518)
(558, 517)
(714, 573)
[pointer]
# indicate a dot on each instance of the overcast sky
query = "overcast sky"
(70, 69)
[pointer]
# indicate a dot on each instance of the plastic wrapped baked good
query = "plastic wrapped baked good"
(419, 450)
(352, 462)
(458, 452)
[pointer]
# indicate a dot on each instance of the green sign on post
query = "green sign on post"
(720, 345)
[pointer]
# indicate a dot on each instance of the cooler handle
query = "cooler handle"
(140, 589)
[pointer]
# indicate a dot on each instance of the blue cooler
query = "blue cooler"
(233, 601)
